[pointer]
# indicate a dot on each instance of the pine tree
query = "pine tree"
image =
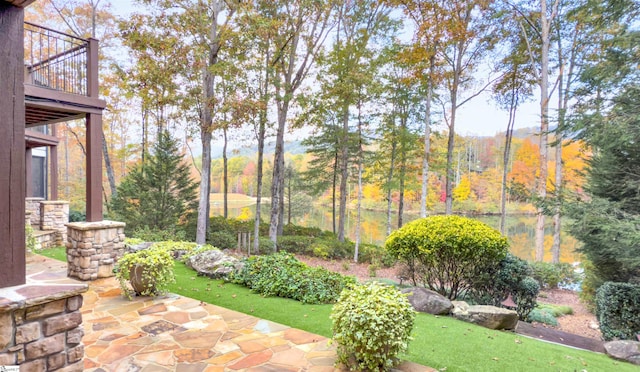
(609, 224)
(159, 193)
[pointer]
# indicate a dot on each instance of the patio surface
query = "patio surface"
(175, 333)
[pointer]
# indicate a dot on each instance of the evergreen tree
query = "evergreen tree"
(609, 223)
(159, 193)
(607, 118)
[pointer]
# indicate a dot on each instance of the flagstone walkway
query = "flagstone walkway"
(175, 333)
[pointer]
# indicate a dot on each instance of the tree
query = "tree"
(608, 223)
(348, 76)
(425, 47)
(512, 89)
(159, 193)
(606, 118)
(303, 26)
(464, 32)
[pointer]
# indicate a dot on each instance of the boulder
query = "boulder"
(491, 317)
(459, 307)
(138, 247)
(214, 264)
(626, 350)
(427, 301)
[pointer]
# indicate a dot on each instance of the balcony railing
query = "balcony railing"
(56, 60)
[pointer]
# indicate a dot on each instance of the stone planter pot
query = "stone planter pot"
(141, 281)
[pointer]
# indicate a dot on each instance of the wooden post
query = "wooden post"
(94, 167)
(12, 146)
(53, 168)
(28, 171)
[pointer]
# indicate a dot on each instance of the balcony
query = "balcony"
(60, 76)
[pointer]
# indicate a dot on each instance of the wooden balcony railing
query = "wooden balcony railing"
(58, 61)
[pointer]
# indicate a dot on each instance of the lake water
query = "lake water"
(520, 229)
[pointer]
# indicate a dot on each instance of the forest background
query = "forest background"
(378, 111)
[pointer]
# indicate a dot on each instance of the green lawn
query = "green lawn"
(439, 342)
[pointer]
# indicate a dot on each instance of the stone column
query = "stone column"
(55, 216)
(41, 327)
(93, 248)
(33, 205)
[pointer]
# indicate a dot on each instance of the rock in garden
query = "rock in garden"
(427, 301)
(214, 264)
(491, 317)
(138, 247)
(459, 307)
(624, 350)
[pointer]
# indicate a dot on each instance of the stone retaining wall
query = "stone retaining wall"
(93, 248)
(42, 333)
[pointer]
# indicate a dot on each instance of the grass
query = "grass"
(438, 342)
(57, 253)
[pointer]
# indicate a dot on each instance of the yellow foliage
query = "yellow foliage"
(245, 214)
(463, 190)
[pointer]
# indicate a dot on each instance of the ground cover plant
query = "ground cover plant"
(438, 342)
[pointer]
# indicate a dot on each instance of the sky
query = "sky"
(478, 117)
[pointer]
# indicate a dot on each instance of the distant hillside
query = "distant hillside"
(292, 147)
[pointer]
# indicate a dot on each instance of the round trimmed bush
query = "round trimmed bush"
(371, 325)
(447, 252)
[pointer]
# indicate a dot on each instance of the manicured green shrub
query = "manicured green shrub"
(525, 297)
(298, 244)
(291, 229)
(510, 276)
(158, 235)
(77, 216)
(618, 309)
(371, 325)
(282, 275)
(223, 240)
(447, 252)
(266, 246)
(374, 253)
(550, 275)
(543, 316)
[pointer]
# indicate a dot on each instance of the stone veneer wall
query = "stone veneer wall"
(54, 216)
(33, 205)
(93, 248)
(42, 333)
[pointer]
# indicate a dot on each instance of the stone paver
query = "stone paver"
(175, 333)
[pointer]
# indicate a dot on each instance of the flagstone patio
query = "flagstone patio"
(175, 333)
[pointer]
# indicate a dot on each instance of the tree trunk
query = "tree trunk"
(449, 170)
(225, 175)
(278, 162)
(107, 164)
(206, 118)
(505, 158)
(359, 205)
(403, 168)
(389, 180)
(452, 133)
(427, 142)
(201, 224)
(333, 191)
(344, 172)
(544, 128)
